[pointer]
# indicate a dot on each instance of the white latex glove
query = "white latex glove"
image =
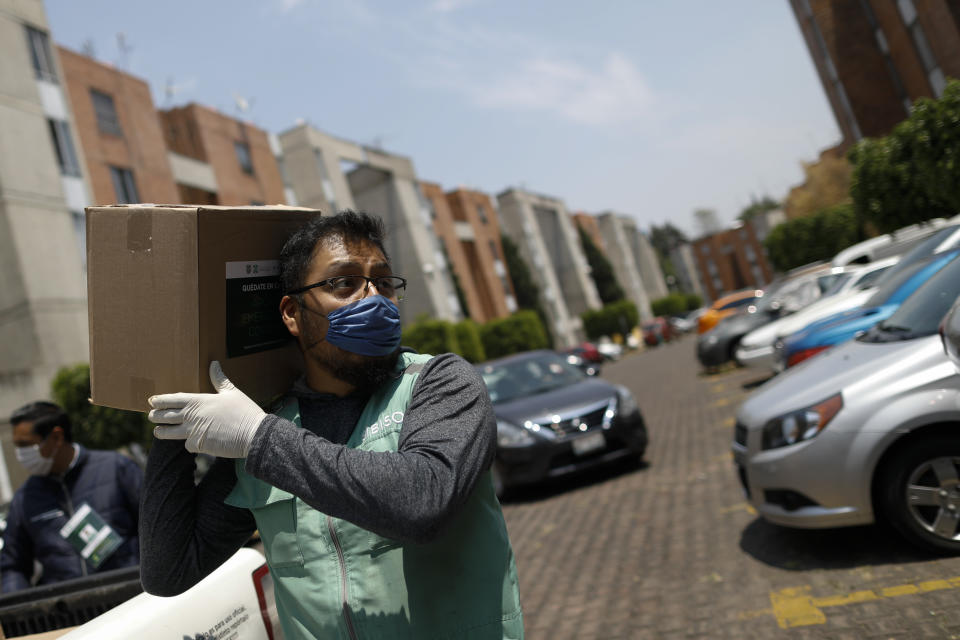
(220, 424)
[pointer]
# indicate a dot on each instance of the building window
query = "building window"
(123, 185)
(934, 74)
(106, 112)
(493, 250)
(482, 212)
(256, 203)
(243, 156)
(40, 55)
(63, 146)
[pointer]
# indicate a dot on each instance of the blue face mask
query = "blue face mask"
(369, 327)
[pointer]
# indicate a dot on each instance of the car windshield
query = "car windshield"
(528, 376)
(837, 284)
(923, 250)
(870, 278)
(921, 313)
(742, 302)
(889, 285)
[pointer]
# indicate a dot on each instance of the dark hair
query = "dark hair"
(349, 226)
(44, 416)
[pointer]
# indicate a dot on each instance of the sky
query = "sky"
(652, 109)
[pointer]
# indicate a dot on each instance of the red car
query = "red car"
(658, 330)
(587, 351)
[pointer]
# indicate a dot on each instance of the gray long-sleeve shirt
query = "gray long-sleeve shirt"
(447, 441)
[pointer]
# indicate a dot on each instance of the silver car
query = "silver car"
(865, 431)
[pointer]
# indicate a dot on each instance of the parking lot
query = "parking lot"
(672, 550)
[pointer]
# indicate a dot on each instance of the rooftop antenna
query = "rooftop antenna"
(88, 49)
(243, 104)
(125, 50)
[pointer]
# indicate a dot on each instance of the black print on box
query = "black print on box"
(252, 311)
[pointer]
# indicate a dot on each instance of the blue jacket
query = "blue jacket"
(107, 481)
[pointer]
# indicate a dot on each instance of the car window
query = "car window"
(921, 313)
(923, 250)
(739, 303)
(889, 285)
(870, 278)
(827, 281)
(528, 376)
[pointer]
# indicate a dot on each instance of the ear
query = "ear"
(290, 314)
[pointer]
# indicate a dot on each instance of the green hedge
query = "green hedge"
(672, 305)
(432, 336)
(520, 332)
(476, 343)
(471, 346)
(616, 318)
(693, 301)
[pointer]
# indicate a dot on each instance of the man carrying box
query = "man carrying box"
(369, 481)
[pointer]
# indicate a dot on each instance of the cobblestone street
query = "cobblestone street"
(672, 550)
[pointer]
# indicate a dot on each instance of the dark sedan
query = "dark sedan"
(552, 419)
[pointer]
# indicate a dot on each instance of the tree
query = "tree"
(665, 239)
(600, 270)
(812, 238)
(95, 426)
(912, 174)
(758, 207)
(526, 290)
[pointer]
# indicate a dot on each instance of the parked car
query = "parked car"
(868, 431)
(552, 419)
(587, 351)
(826, 333)
(719, 345)
(858, 284)
(950, 332)
(687, 322)
(896, 243)
(609, 349)
(657, 331)
(588, 367)
(726, 306)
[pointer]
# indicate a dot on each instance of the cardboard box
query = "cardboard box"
(172, 287)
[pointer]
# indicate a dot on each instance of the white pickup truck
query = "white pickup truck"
(235, 602)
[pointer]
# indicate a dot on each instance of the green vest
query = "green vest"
(333, 579)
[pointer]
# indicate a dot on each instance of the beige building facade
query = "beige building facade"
(332, 174)
(43, 189)
(619, 251)
(544, 231)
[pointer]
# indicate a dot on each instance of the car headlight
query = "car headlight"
(626, 403)
(711, 338)
(802, 424)
(510, 435)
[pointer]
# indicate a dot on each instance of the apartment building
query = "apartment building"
(43, 311)
(218, 159)
(331, 174)
(875, 58)
(589, 225)
(730, 260)
(467, 224)
(685, 265)
(619, 251)
(120, 135)
(646, 259)
(545, 235)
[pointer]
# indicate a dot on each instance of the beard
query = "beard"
(364, 373)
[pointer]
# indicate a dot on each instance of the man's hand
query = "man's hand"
(220, 424)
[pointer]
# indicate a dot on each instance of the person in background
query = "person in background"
(369, 482)
(78, 511)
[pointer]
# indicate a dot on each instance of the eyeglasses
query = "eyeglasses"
(346, 287)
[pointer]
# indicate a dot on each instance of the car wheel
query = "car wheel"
(732, 353)
(921, 493)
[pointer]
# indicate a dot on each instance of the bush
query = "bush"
(812, 238)
(617, 318)
(431, 336)
(673, 305)
(522, 331)
(693, 301)
(468, 336)
(94, 426)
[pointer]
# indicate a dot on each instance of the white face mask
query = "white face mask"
(33, 461)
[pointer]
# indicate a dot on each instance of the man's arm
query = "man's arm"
(186, 530)
(16, 559)
(447, 441)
